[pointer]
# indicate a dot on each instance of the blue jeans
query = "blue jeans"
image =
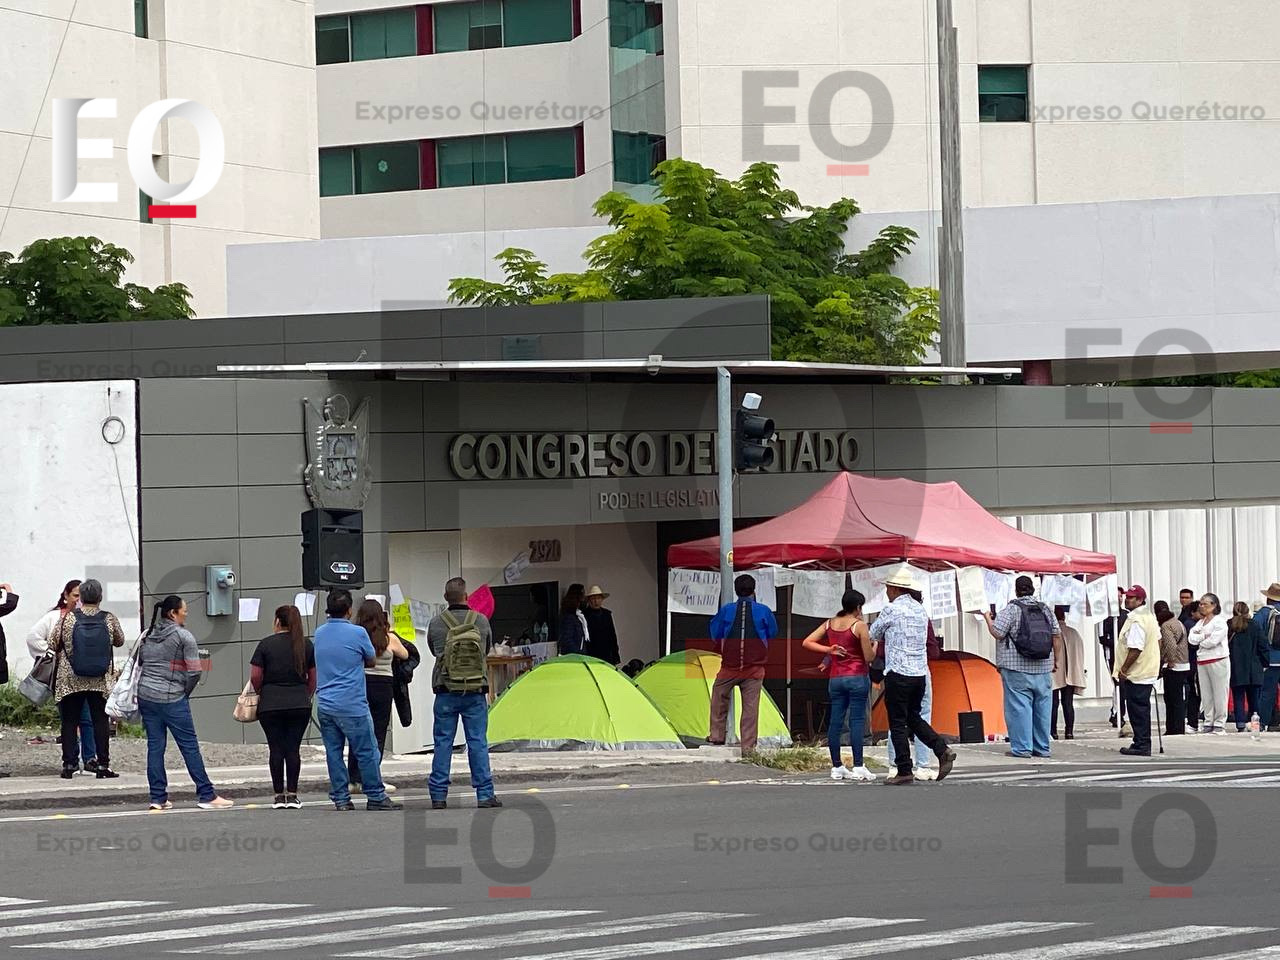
(1028, 705)
(474, 711)
(337, 731)
(88, 749)
(1267, 711)
(848, 697)
(922, 752)
(160, 720)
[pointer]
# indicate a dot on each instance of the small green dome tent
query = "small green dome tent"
(577, 703)
(680, 684)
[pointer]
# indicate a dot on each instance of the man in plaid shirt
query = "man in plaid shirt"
(1028, 683)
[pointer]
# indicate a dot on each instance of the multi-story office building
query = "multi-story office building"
(250, 62)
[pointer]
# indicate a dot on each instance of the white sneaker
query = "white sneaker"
(217, 803)
(926, 773)
(839, 773)
(860, 773)
(160, 807)
(389, 787)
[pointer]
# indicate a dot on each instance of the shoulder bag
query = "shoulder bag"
(38, 686)
(246, 710)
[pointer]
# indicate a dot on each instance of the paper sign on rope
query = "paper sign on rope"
(942, 594)
(694, 592)
(818, 593)
(972, 587)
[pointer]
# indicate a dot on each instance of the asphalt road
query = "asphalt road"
(792, 869)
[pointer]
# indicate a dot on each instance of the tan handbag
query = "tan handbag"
(246, 710)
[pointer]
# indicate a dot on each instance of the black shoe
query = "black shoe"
(1274, 728)
(439, 805)
(1134, 752)
(278, 802)
(344, 807)
(945, 763)
(5, 773)
(91, 766)
(1071, 736)
(105, 774)
(386, 803)
(1113, 719)
(488, 803)
(291, 802)
(69, 772)
(901, 779)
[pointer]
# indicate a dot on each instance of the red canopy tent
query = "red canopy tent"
(857, 521)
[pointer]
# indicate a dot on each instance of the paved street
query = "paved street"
(776, 866)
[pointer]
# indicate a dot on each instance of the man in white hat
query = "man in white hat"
(1268, 621)
(603, 642)
(903, 626)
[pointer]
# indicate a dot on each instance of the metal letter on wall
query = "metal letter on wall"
(338, 473)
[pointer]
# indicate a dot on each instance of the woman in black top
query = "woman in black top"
(283, 671)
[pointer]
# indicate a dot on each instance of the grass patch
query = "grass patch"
(792, 760)
(17, 711)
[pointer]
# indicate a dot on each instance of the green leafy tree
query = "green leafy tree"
(711, 237)
(78, 280)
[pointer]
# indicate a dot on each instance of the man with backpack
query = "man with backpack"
(1268, 621)
(460, 638)
(1138, 667)
(1024, 632)
(742, 631)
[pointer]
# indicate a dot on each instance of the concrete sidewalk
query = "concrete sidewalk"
(406, 772)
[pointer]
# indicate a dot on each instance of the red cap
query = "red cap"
(1136, 591)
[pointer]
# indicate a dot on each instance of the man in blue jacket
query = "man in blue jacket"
(1268, 621)
(742, 631)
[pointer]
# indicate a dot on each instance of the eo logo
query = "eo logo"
(68, 148)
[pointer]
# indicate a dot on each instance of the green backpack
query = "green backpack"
(462, 664)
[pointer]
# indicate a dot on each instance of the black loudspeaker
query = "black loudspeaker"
(971, 727)
(332, 549)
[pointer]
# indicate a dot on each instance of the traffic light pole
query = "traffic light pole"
(724, 466)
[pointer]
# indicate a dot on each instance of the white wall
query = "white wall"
(70, 501)
(251, 62)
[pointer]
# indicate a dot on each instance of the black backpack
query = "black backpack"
(91, 645)
(1034, 639)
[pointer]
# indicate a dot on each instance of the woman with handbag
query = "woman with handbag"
(38, 646)
(169, 664)
(84, 674)
(283, 672)
(379, 680)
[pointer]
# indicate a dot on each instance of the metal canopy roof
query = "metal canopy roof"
(654, 366)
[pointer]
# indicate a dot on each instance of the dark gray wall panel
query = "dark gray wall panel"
(1167, 483)
(196, 460)
(776, 493)
(1245, 407)
(193, 513)
(366, 350)
(1246, 481)
(649, 406)
(917, 407)
(270, 458)
(272, 511)
(395, 506)
(982, 484)
(1051, 406)
(1064, 447)
(1141, 445)
(271, 563)
(177, 566)
(214, 723)
(1036, 486)
(1143, 406)
(1245, 444)
(183, 407)
(931, 449)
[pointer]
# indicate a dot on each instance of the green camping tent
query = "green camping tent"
(680, 684)
(577, 703)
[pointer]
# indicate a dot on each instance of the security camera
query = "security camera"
(227, 578)
(751, 401)
(654, 364)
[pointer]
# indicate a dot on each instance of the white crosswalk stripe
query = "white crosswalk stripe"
(1136, 775)
(16, 901)
(1148, 940)
(221, 929)
(611, 928)
(916, 941)
(417, 928)
(1212, 775)
(62, 911)
(11, 931)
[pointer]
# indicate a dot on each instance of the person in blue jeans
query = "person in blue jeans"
(846, 640)
(471, 708)
(1028, 683)
(343, 650)
(1268, 623)
(169, 662)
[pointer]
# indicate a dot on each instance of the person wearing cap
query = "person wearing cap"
(1137, 672)
(1108, 630)
(1268, 620)
(1027, 680)
(903, 627)
(742, 631)
(603, 644)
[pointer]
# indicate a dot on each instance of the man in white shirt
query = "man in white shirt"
(1137, 666)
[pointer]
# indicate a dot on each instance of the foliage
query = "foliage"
(792, 760)
(17, 711)
(1246, 378)
(79, 280)
(711, 237)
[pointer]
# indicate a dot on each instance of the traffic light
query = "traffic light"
(752, 435)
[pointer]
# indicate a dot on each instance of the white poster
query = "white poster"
(998, 587)
(972, 586)
(783, 577)
(514, 570)
(818, 593)
(249, 609)
(766, 588)
(1113, 603)
(870, 583)
(1097, 592)
(942, 594)
(693, 591)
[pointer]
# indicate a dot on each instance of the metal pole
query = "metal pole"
(951, 238)
(724, 466)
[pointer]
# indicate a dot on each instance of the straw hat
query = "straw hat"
(903, 580)
(595, 591)
(1272, 592)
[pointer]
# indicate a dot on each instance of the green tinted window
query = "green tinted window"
(140, 26)
(384, 33)
(470, 161)
(537, 21)
(1002, 94)
(635, 155)
(384, 167)
(144, 207)
(336, 176)
(333, 40)
(468, 26)
(541, 155)
(635, 25)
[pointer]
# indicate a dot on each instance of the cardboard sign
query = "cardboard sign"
(693, 591)
(402, 621)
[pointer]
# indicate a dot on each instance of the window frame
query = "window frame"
(994, 99)
(334, 17)
(141, 20)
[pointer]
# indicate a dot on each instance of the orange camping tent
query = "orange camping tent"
(961, 682)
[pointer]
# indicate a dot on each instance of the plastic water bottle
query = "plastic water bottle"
(1255, 726)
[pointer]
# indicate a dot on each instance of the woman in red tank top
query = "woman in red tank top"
(847, 641)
